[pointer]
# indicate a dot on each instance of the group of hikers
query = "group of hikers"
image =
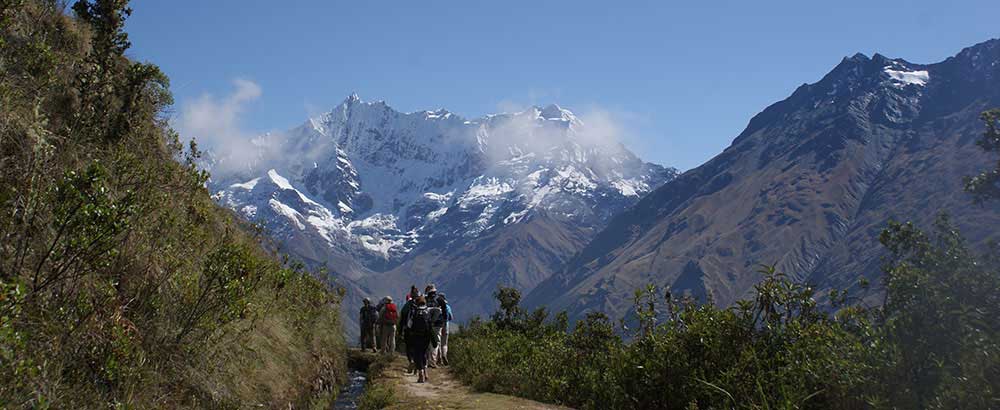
(422, 322)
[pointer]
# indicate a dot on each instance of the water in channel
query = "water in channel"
(351, 393)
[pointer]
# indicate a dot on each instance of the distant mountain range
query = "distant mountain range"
(808, 186)
(384, 200)
(550, 204)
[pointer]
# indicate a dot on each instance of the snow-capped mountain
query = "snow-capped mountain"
(364, 190)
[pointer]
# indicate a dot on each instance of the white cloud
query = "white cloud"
(597, 128)
(602, 128)
(215, 123)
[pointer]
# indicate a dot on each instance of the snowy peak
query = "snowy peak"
(976, 64)
(378, 183)
(890, 91)
(859, 72)
(895, 78)
(555, 112)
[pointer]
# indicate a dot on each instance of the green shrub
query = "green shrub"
(941, 320)
(776, 352)
(377, 396)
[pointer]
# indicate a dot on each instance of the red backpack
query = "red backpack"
(389, 314)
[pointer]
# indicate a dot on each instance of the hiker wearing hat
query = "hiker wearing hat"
(436, 319)
(368, 319)
(387, 326)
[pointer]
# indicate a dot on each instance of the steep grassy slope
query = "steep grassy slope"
(121, 284)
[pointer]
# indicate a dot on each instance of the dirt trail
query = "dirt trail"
(444, 391)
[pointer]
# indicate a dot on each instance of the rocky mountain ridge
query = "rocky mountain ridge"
(807, 186)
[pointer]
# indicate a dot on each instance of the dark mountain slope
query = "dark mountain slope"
(807, 186)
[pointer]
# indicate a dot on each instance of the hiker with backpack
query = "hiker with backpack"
(404, 314)
(368, 320)
(437, 322)
(418, 336)
(387, 326)
(442, 350)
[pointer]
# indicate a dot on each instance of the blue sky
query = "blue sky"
(681, 79)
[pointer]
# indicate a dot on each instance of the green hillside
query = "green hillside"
(122, 285)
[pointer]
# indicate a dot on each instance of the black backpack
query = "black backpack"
(419, 323)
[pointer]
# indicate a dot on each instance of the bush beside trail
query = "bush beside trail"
(122, 285)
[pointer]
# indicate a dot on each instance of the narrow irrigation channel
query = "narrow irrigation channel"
(357, 380)
(350, 394)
